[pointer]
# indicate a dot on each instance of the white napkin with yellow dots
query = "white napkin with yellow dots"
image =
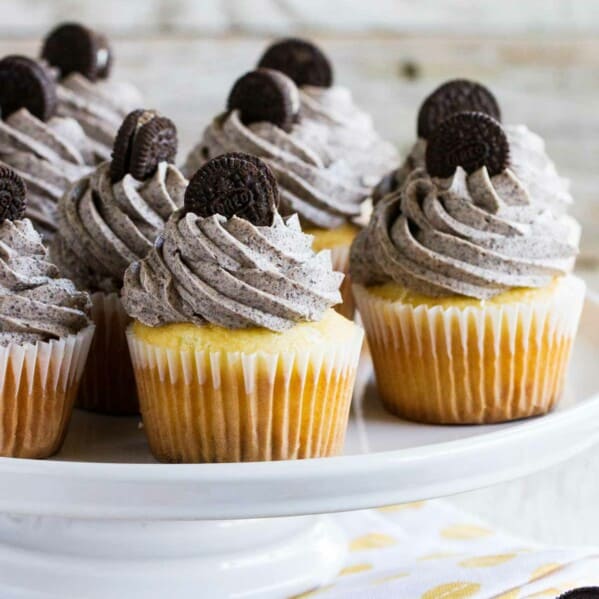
(431, 550)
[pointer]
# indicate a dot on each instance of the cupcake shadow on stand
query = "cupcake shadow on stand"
(45, 334)
(106, 221)
(237, 353)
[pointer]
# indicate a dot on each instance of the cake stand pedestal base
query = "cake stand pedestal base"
(62, 558)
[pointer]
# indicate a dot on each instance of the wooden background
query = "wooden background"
(540, 57)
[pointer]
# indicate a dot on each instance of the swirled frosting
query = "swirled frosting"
(35, 304)
(49, 156)
(350, 131)
(529, 162)
(325, 192)
(231, 273)
(473, 235)
(99, 107)
(104, 226)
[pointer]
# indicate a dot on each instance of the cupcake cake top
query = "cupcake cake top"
(82, 59)
(529, 160)
(465, 224)
(112, 217)
(35, 303)
(48, 151)
(229, 258)
(350, 131)
(320, 187)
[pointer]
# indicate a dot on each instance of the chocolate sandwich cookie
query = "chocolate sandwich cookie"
(25, 83)
(458, 95)
(265, 95)
(581, 593)
(74, 48)
(144, 139)
(300, 60)
(470, 140)
(234, 184)
(13, 192)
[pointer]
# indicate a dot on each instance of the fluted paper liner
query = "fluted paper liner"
(203, 406)
(108, 384)
(340, 261)
(38, 385)
(484, 364)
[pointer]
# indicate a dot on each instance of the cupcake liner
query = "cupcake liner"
(204, 406)
(484, 364)
(108, 384)
(340, 260)
(38, 385)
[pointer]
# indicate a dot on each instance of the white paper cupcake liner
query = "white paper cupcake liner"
(108, 384)
(203, 406)
(340, 260)
(490, 363)
(38, 384)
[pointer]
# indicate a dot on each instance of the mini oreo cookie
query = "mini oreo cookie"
(470, 140)
(24, 83)
(74, 48)
(457, 95)
(265, 95)
(13, 192)
(144, 140)
(581, 593)
(300, 60)
(234, 184)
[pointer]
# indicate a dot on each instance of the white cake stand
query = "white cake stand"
(103, 520)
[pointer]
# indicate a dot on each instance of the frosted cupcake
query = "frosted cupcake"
(237, 353)
(325, 192)
(106, 221)
(49, 152)
(528, 159)
(45, 334)
(464, 286)
(83, 60)
(351, 134)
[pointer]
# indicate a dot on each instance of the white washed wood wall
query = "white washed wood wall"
(540, 57)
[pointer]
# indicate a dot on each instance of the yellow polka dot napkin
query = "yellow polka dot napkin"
(430, 550)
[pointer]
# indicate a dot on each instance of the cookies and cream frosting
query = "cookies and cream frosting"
(49, 156)
(231, 273)
(104, 226)
(35, 303)
(471, 235)
(324, 191)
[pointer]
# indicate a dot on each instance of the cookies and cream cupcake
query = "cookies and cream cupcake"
(45, 334)
(107, 220)
(528, 158)
(237, 353)
(324, 191)
(83, 61)
(464, 285)
(48, 151)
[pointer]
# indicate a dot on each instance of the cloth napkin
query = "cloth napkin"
(431, 550)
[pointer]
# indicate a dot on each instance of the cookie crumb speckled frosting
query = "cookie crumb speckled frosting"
(476, 233)
(36, 304)
(105, 224)
(227, 270)
(529, 160)
(318, 185)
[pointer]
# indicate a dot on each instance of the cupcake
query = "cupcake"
(528, 158)
(82, 60)
(351, 134)
(464, 285)
(49, 152)
(324, 191)
(45, 334)
(237, 353)
(107, 220)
